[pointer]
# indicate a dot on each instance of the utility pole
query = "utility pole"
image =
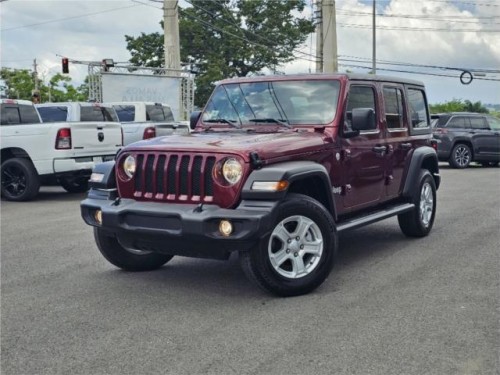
(35, 74)
(171, 34)
(374, 47)
(330, 59)
(319, 37)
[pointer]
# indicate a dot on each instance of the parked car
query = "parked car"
(36, 153)
(465, 137)
(145, 120)
(275, 168)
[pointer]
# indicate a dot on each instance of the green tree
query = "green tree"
(229, 38)
(20, 85)
(458, 105)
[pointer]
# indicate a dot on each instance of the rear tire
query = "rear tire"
(125, 259)
(461, 156)
(298, 254)
(20, 180)
(418, 222)
(74, 186)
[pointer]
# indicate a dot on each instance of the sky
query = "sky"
(438, 33)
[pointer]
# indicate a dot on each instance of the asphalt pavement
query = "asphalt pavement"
(392, 305)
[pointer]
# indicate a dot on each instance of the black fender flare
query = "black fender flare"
(108, 180)
(422, 158)
(291, 171)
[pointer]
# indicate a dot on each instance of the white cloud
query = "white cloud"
(101, 35)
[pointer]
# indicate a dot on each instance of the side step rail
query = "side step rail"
(374, 217)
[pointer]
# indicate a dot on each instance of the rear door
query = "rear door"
(397, 137)
(484, 140)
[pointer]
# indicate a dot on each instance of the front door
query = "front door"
(363, 156)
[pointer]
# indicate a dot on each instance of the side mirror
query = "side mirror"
(193, 120)
(363, 119)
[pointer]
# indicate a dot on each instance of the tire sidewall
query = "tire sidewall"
(31, 176)
(425, 177)
(453, 161)
(297, 204)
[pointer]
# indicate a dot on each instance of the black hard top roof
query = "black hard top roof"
(349, 76)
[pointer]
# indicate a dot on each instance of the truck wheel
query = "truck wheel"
(74, 186)
(20, 180)
(128, 260)
(418, 222)
(298, 254)
(461, 156)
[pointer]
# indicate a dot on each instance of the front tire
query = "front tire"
(20, 180)
(125, 259)
(461, 156)
(419, 221)
(298, 254)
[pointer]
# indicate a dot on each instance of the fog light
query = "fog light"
(225, 228)
(98, 216)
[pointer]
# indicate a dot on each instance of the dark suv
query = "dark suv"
(466, 137)
(275, 168)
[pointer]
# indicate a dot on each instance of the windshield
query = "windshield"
(290, 102)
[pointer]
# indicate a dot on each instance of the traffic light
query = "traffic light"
(65, 65)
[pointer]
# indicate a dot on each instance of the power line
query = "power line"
(68, 18)
(403, 28)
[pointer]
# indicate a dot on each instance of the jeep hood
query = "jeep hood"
(267, 145)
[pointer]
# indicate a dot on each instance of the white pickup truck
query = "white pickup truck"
(35, 153)
(144, 120)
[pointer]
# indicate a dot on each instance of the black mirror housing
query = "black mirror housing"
(363, 119)
(193, 119)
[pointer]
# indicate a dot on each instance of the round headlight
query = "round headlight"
(232, 170)
(129, 166)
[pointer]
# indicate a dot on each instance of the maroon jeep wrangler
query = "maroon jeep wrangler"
(275, 168)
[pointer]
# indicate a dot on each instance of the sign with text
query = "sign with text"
(142, 88)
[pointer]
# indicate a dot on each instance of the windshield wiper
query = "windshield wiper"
(273, 120)
(223, 121)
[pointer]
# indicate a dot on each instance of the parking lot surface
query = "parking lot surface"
(392, 305)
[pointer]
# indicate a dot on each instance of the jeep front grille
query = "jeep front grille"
(174, 177)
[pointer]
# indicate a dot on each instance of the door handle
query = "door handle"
(379, 149)
(405, 146)
(472, 132)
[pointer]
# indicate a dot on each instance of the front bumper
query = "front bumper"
(179, 229)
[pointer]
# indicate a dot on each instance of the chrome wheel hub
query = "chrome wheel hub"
(462, 156)
(426, 204)
(295, 247)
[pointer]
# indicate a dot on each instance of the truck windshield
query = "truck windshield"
(126, 113)
(159, 113)
(305, 102)
(97, 113)
(53, 114)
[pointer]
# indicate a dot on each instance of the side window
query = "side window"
(393, 103)
(10, 115)
(478, 123)
(53, 114)
(419, 113)
(359, 97)
(28, 114)
(125, 112)
(494, 123)
(458, 122)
